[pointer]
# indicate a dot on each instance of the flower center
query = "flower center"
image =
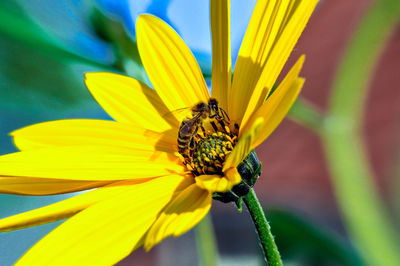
(208, 148)
(210, 153)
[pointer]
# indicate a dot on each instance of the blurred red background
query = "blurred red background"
(295, 173)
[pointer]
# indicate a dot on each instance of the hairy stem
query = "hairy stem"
(265, 236)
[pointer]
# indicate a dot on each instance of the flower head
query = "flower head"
(155, 170)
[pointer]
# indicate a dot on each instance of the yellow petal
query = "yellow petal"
(107, 231)
(243, 147)
(272, 33)
(233, 176)
(275, 109)
(288, 15)
(217, 183)
(280, 90)
(221, 51)
(78, 132)
(128, 100)
(180, 215)
(44, 186)
(169, 63)
(258, 40)
(89, 163)
(62, 209)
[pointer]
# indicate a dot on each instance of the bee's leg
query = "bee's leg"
(224, 115)
(214, 126)
(203, 170)
(217, 116)
(182, 151)
(185, 157)
(203, 131)
(191, 146)
(224, 127)
(236, 127)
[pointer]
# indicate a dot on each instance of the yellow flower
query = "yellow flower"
(144, 192)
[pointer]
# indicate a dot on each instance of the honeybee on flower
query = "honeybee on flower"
(147, 185)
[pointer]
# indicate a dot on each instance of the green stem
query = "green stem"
(265, 236)
(206, 244)
(363, 211)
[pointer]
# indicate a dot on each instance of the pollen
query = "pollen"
(209, 153)
(205, 139)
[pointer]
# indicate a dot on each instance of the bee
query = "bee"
(189, 126)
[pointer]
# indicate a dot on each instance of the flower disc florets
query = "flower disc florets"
(204, 152)
(205, 139)
(210, 153)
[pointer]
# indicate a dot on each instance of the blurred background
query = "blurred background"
(46, 46)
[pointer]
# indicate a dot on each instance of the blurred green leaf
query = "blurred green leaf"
(306, 114)
(206, 243)
(365, 215)
(32, 79)
(125, 48)
(37, 73)
(14, 24)
(301, 240)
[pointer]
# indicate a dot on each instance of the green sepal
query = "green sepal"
(239, 204)
(249, 169)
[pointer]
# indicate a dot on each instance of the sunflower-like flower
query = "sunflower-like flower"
(150, 178)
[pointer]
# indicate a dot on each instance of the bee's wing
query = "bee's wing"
(178, 113)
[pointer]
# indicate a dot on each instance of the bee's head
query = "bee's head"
(213, 106)
(200, 107)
